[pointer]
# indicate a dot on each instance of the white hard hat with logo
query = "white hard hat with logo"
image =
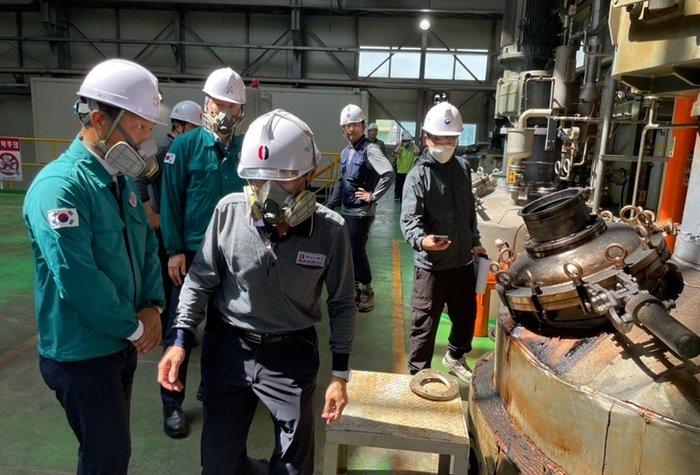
(405, 135)
(225, 84)
(372, 126)
(277, 146)
(187, 111)
(351, 114)
(443, 119)
(126, 85)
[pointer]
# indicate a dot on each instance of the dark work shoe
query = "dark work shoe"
(174, 423)
(366, 301)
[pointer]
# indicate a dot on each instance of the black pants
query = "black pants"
(431, 291)
(358, 229)
(398, 185)
(240, 373)
(96, 396)
(163, 257)
(174, 399)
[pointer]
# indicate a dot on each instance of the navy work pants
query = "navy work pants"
(239, 373)
(431, 291)
(358, 229)
(163, 257)
(96, 396)
(174, 399)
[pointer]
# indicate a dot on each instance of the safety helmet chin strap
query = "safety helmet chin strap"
(102, 143)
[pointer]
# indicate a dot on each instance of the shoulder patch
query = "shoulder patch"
(169, 158)
(63, 218)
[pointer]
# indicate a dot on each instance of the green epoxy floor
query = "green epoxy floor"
(35, 437)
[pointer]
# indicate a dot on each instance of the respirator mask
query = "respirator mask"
(223, 122)
(135, 160)
(129, 158)
(273, 204)
(442, 153)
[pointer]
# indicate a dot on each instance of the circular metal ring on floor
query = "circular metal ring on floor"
(448, 391)
(492, 332)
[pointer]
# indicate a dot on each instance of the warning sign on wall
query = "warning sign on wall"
(10, 159)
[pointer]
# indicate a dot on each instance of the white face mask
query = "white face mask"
(442, 153)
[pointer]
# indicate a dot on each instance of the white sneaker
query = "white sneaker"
(458, 367)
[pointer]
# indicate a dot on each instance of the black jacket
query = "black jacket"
(438, 199)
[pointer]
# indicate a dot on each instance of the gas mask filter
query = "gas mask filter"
(442, 153)
(137, 161)
(223, 123)
(273, 204)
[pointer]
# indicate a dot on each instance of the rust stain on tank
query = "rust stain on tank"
(557, 350)
(529, 405)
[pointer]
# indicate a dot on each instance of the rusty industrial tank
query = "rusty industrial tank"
(593, 372)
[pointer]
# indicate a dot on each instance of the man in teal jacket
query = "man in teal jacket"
(98, 289)
(199, 169)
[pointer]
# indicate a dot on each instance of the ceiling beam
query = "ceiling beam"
(425, 6)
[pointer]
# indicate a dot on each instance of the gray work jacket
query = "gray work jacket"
(258, 291)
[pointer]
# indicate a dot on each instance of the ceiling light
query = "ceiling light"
(424, 24)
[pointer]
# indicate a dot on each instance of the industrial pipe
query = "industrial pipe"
(640, 156)
(522, 120)
(649, 312)
(589, 93)
(606, 111)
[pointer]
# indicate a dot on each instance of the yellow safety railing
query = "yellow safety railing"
(328, 175)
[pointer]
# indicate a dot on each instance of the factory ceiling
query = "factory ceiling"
(333, 7)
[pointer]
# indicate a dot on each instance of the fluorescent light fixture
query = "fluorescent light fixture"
(424, 24)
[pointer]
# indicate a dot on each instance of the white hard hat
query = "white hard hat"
(126, 85)
(443, 119)
(351, 114)
(187, 111)
(277, 146)
(226, 85)
(406, 135)
(372, 126)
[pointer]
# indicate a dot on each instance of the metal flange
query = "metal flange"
(421, 378)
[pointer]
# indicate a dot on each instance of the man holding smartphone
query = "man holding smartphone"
(438, 219)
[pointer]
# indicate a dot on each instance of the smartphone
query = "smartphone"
(441, 237)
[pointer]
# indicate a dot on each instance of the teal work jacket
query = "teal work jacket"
(95, 259)
(197, 173)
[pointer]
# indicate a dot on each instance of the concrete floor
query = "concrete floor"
(35, 437)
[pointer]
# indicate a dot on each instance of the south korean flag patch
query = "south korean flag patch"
(63, 218)
(169, 158)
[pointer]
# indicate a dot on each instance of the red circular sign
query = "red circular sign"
(9, 164)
